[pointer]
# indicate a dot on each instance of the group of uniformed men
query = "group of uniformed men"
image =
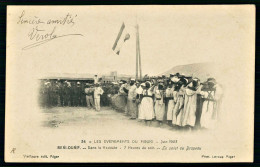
(74, 93)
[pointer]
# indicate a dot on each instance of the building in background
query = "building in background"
(86, 78)
(112, 77)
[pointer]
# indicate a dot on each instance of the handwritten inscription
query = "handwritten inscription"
(39, 35)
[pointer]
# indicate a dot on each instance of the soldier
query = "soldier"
(41, 94)
(89, 96)
(115, 88)
(104, 98)
(52, 94)
(95, 79)
(61, 93)
(82, 94)
(77, 95)
(73, 98)
(97, 92)
(67, 90)
(56, 94)
(45, 94)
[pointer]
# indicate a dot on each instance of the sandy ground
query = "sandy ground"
(68, 126)
(107, 118)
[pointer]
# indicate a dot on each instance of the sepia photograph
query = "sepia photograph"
(124, 83)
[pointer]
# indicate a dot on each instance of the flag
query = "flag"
(121, 38)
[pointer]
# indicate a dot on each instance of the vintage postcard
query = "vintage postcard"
(127, 83)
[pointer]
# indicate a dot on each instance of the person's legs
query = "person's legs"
(91, 101)
(98, 104)
(88, 101)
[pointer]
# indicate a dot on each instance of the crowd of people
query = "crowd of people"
(180, 101)
(59, 93)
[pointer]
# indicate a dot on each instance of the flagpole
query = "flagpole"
(139, 53)
(136, 72)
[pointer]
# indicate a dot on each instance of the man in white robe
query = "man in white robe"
(131, 105)
(171, 96)
(190, 105)
(211, 96)
(159, 106)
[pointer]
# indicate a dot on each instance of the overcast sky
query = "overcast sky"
(169, 36)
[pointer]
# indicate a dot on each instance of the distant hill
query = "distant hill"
(200, 70)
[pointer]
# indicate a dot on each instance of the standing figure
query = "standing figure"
(121, 100)
(178, 108)
(97, 92)
(89, 98)
(138, 92)
(73, 94)
(159, 104)
(146, 107)
(131, 105)
(211, 96)
(82, 94)
(61, 94)
(52, 94)
(171, 96)
(67, 94)
(56, 94)
(78, 95)
(95, 79)
(190, 105)
(45, 94)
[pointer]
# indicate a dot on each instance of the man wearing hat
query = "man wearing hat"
(159, 106)
(89, 97)
(190, 105)
(98, 91)
(67, 93)
(95, 79)
(131, 105)
(77, 95)
(212, 96)
(46, 94)
(171, 96)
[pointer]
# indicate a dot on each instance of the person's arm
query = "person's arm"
(141, 97)
(101, 91)
(175, 96)
(125, 90)
(163, 95)
(152, 88)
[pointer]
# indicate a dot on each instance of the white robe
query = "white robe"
(146, 107)
(190, 106)
(138, 91)
(131, 105)
(178, 109)
(159, 105)
(210, 113)
(171, 103)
